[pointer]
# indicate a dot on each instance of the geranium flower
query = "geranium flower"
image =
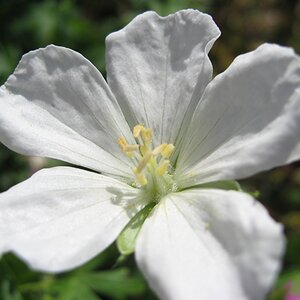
(163, 144)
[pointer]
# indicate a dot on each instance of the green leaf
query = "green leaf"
(6, 294)
(73, 288)
(127, 238)
(117, 284)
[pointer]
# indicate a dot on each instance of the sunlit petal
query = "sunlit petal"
(210, 244)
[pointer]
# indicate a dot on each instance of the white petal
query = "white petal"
(247, 121)
(210, 244)
(158, 67)
(57, 104)
(62, 217)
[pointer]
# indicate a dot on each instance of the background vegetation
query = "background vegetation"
(83, 25)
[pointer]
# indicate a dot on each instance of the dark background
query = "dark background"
(83, 26)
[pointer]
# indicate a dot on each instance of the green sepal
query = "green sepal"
(254, 194)
(127, 238)
(222, 185)
(120, 260)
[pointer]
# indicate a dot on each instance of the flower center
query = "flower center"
(152, 169)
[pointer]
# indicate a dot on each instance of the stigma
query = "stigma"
(152, 164)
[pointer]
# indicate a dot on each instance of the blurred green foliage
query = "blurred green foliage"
(83, 25)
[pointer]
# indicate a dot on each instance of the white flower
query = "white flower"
(198, 242)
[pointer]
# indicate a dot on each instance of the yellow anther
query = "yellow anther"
(122, 143)
(143, 162)
(148, 162)
(159, 149)
(141, 179)
(137, 130)
(131, 148)
(162, 168)
(147, 135)
(127, 148)
(168, 150)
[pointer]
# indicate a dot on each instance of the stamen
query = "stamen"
(162, 168)
(143, 163)
(149, 163)
(122, 142)
(137, 130)
(127, 148)
(147, 135)
(159, 149)
(131, 148)
(130, 154)
(141, 179)
(144, 149)
(168, 150)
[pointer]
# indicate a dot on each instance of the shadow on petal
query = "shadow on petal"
(132, 202)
